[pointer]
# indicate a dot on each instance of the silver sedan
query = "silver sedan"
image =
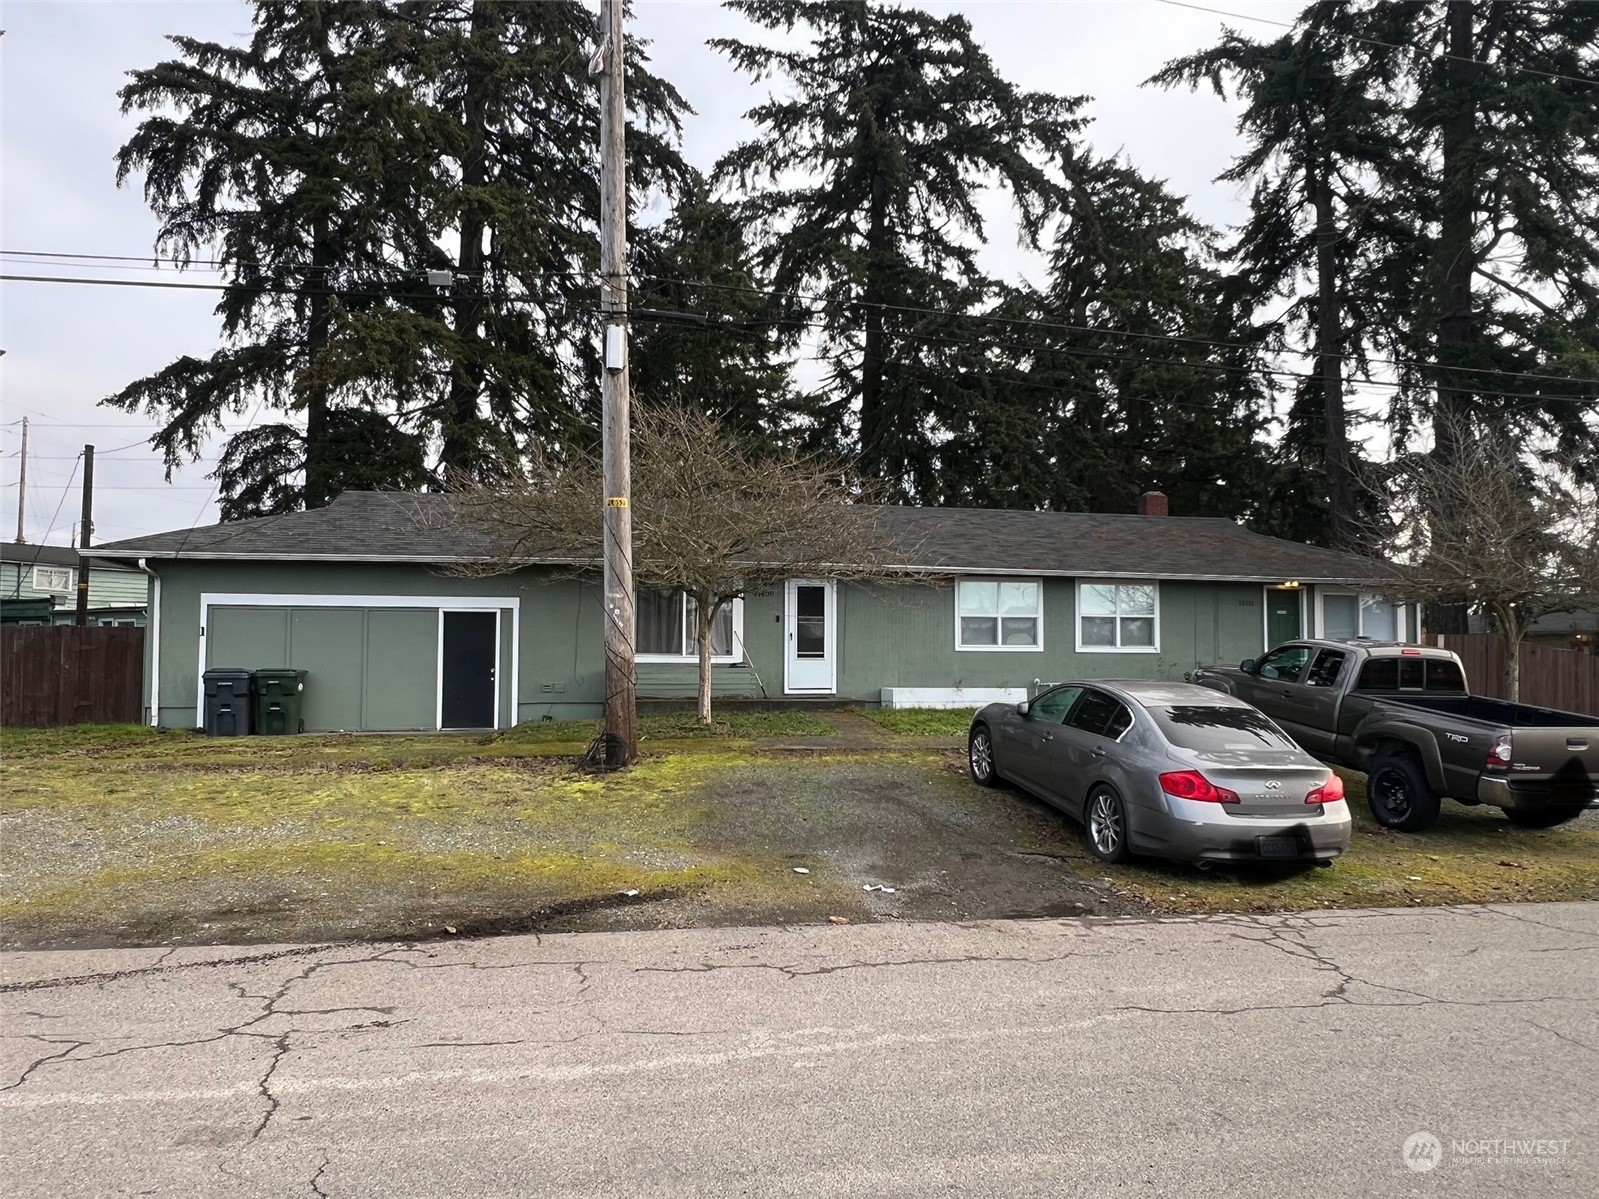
(1169, 769)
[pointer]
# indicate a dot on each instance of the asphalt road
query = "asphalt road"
(1281, 1056)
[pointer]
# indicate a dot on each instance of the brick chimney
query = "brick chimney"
(1153, 503)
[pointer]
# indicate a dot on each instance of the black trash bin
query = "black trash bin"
(278, 697)
(227, 710)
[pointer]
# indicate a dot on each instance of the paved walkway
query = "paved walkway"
(1293, 1057)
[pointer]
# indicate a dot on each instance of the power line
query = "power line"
(1033, 323)
(1371, 41)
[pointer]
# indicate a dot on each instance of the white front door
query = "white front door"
(810, 619)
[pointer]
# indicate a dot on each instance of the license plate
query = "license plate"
(1277, 847)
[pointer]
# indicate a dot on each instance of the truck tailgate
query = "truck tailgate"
(1566, 760)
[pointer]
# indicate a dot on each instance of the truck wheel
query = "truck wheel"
(1399, 794)
(1541, 817)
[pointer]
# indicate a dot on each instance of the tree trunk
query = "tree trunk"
(462, 449)
(876, 424)
(1341, 521)
(1456, 265)
(319, 481)
(705, 610)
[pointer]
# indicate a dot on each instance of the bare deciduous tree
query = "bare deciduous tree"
(714, 516)
(1516, 535)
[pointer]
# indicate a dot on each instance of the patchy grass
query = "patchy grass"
(924, 722)
(1472, 855)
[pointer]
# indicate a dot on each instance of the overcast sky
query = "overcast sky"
(68, 346)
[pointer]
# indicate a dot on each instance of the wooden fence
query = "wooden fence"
(1550, 677)
(68, 675)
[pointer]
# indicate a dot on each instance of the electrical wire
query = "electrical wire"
(1371, 41)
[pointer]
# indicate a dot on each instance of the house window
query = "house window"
(999, 614)
(52, 578)
(1118, 617)
(667, 624)
(1347, 614)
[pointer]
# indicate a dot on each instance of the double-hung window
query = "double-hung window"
(999, 614)
(1118, 618)
(667, 628)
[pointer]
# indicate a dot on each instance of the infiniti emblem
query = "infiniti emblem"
(1274, 785)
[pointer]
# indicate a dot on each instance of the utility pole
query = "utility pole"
(85, 528)
(22, 482)
(621, 706)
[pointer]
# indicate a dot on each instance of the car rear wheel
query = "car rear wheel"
(1399, 794)
(980, 757)
(1105, 826)
(1542, 817)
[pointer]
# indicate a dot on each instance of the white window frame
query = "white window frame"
(52, 571)
(962, 647)
(1077, 617)
(731, 659)
(1402, 617)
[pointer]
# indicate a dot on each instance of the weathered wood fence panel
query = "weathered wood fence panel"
(70, 675)
(1550, 677)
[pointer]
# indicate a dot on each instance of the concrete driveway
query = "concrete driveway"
(1271, 1055)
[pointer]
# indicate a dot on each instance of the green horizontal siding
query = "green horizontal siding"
(107, 588)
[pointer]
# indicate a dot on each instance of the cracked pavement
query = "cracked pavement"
(1283, 1055)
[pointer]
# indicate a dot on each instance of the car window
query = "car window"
(1285, 665)
(1101, 714)
(1328, 666)
(1052, 706)
(1379, 674)
(1217, 727)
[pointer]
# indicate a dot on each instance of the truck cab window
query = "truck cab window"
(1379, 674)
(1328, 666)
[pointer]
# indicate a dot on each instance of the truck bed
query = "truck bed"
(1491, 711)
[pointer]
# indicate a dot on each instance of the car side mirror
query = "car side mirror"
(1247, 666)
(1023, 708)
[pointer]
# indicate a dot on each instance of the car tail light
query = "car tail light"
(1190, 784)
(1329, 792)
(1499, 753)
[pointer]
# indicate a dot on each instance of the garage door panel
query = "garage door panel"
(402, 668)
(249, 638)
(329, 644)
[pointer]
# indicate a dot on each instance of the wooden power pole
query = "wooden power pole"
(621, 706)
(85, 529)
(22, 483)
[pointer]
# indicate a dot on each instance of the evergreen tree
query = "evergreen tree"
(732, 368)
(1318, 126)
(863, 184)
(276, 154)
(351, 147)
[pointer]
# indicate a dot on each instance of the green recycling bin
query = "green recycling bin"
(279, 695)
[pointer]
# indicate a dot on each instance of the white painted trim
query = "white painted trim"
(155, 658)
(1077, 624)
(950, 697)
(830, 615)
(1001, 649)
(441, 603)
(1265, 613)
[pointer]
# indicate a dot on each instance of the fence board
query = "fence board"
(1551, 677)
(67, 675)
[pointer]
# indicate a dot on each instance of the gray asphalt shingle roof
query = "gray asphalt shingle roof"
(370, 526)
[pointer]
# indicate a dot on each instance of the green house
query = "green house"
(373, 597)
(39, 585)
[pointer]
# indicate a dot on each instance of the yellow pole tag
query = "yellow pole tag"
(616, 501)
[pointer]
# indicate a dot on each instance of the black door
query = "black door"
(470, 649)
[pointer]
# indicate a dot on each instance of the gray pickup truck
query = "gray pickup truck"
(1402, 714)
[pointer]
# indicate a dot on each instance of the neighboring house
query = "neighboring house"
(1564, 630)
(359, 594)
(39, 585)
